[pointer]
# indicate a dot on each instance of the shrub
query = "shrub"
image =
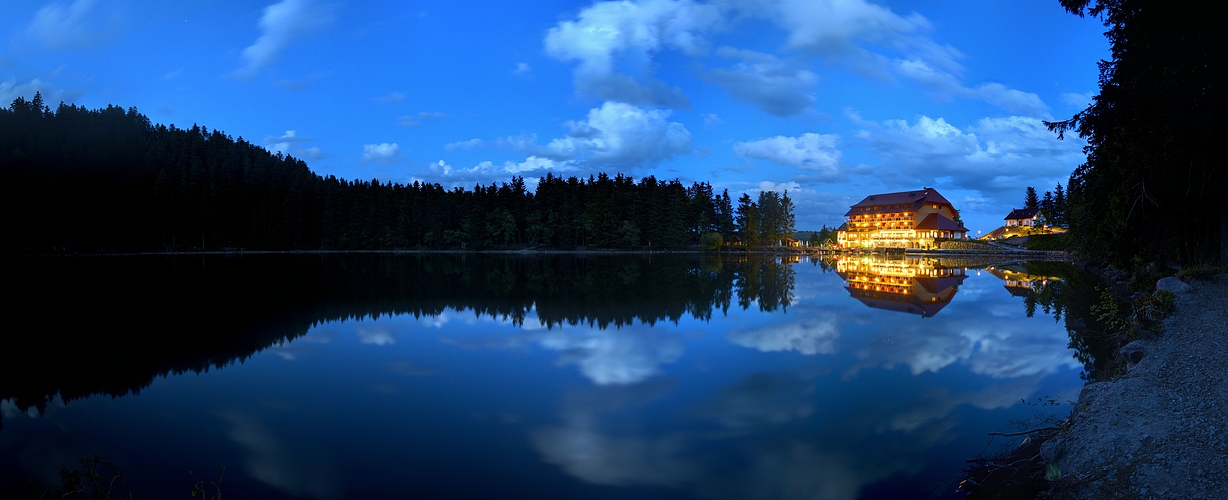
(711, 241)
(1152, 308)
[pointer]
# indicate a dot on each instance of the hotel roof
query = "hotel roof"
(928, 195)
(914, 200)
(941, 223)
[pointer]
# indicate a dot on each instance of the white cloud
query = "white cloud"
(614, 43)
(81, 24)
(815, 152)
(1012, 100)
(608, 33)
(618, 135)
(996, 154)
(381, 153)
(281, 24)
(1076, 100)
(711, 120)
(391, 98)
(839, 30)
(311, 153)
(488, 172)
(469, 144)
(875, 42)
(415, 121)
(285, 142)
(776, 87)
(522, 69)
(10, 90)
(945, 85)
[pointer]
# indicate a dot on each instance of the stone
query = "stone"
(1173, 285)
(1133, 353)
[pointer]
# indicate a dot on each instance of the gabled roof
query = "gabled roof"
(940, 222)
(1022, 213)
(924, 195)
(914, 200)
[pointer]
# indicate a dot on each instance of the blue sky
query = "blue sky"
(830, 99)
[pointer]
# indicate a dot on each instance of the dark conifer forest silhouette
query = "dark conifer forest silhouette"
(1154, 187)
(75, 180)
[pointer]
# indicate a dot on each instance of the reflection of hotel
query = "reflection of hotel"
(916, 286)
(909, 219)
(1019, 283)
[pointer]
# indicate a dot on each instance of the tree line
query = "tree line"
(105, 180)
(1051, 208)
(1154, 187)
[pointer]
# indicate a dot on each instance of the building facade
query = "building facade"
(1022, 217)
(908, 219)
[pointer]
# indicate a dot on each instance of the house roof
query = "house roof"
(1022, 213)
(940, 222)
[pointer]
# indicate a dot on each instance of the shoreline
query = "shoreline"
(1042, 254)
(1161, 429)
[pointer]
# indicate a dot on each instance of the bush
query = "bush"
(1152, 308)
(711, 241)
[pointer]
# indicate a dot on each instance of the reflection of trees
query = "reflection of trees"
(1067, 293)
(179, 314)
(768, 283)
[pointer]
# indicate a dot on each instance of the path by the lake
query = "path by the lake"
(1160, 431)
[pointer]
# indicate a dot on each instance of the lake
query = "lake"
(556, 376)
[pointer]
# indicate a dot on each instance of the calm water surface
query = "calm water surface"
(444, 376)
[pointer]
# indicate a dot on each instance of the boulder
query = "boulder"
(1173, 285)
(1133, 353)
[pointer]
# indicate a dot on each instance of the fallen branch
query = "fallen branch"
(1009, 434)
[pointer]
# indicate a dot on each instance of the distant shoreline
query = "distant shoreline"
(1047, 254)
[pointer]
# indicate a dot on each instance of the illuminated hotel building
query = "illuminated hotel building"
(908, 219)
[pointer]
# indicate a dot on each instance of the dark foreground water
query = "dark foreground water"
(448, 376)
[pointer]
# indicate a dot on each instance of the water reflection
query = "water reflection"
(556, 377)
(908, 285)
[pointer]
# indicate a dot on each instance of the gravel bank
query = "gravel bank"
(1161, 430)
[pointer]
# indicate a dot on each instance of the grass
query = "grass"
(1049, 242)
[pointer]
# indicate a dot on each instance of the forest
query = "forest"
(76, 180)
(1153, 188)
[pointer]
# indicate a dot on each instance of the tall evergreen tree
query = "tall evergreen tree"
(1031, 200)
(748, 221)
(1154, 186)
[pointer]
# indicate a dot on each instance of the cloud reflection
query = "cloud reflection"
(858, 442)
(291, 466)
(605, 357)
(814, 335)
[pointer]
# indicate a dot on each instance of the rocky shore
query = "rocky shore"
(1160, 430)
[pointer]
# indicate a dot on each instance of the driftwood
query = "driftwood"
(1038, 429)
